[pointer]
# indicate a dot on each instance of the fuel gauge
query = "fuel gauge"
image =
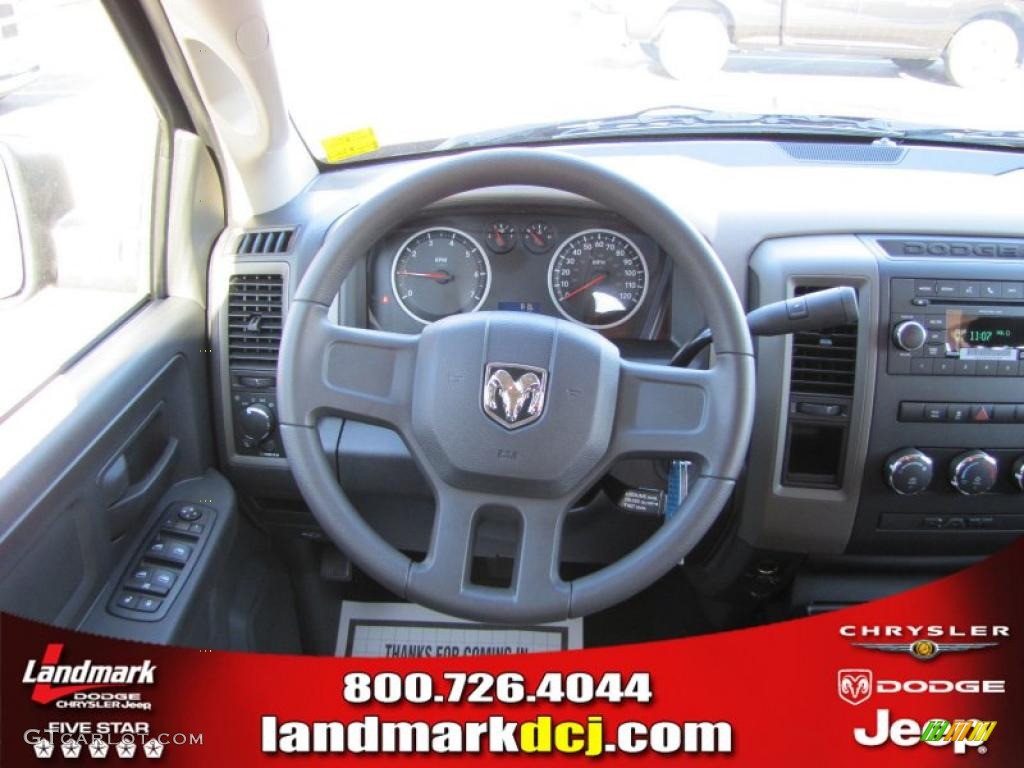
(539, 237)
(501, 236)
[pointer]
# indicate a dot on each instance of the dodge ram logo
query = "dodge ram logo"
(514, 394)
(855, 685)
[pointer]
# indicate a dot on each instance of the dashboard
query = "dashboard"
(900, 435)
(594, 270)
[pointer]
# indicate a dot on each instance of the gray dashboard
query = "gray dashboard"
(782, 221)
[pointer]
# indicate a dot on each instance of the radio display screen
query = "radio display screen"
(965, 330)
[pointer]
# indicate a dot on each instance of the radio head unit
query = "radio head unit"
(956, 328)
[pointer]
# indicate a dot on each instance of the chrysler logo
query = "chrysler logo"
(514, 394)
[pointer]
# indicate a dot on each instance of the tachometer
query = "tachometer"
(440, 272)
(598, 278)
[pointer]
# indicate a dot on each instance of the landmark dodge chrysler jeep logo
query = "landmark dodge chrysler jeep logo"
(74, 678)
(514, 394)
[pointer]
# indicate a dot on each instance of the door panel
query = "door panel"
(136, 423)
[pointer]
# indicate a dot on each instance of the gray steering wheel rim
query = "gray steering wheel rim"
(352, 236)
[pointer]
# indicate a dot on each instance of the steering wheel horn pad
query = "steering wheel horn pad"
(548, 457)
(513, 413)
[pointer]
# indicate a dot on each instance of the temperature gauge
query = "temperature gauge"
(539, 237)
(501, 237)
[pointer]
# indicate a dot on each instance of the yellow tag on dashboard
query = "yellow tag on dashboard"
(346, 145)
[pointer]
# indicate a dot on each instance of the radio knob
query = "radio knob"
(909, 335)
(973, 472)
(257, 421)
(1018, 473)
(908, 471)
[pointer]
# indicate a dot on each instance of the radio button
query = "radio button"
(1013, 291)
(945, 367)
(991, 290)
(988, 368)
(899, 362)
(935, 350)
(921, 366)
(970, 289)
(935, 322)
(965, 367)
(924, 288)
(1008, 368)
(947, 288)
(936, 337)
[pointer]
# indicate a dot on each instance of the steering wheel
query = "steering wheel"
(585, 406)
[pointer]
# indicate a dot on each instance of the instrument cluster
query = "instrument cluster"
(594, 270)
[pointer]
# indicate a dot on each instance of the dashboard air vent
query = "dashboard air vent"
(255, 319)
(824, 362)
(265, 241)
(854, 154)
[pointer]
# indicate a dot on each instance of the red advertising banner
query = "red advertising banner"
(931, 677)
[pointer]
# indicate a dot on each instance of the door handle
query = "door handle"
(136, 497)
(139, 473)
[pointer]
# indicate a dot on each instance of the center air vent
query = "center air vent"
(265, 241)
(255, 319)
(824, 362)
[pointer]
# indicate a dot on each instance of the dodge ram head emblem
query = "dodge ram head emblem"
(514, 394)
(855, 685)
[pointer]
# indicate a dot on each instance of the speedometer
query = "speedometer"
(598, 278)
(440, 272)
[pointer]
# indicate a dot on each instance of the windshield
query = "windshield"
(407, 76)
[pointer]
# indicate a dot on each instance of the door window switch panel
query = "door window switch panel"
(160, 570)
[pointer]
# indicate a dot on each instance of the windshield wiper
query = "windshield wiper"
(1012, 139)
(678, 120)
(683, 120)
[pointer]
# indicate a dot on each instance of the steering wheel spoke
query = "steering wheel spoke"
(460, 519)
(679, 412)
(358, 373)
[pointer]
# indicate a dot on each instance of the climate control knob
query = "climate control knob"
(909, 335)
(1017, 473)
(257, 421)
(908, 471)
(973, 472)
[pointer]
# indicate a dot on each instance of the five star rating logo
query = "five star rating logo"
(98, 748)
(71, 749)
(126, 749)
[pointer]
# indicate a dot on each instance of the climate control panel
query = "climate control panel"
(912, 471)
